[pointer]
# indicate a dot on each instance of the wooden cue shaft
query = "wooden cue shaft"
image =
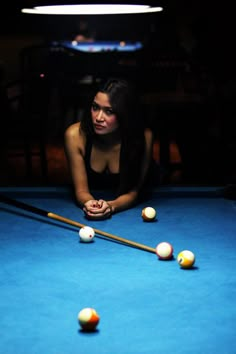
(51, 215)
(103, 233)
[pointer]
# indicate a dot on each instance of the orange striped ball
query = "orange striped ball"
(88, 319)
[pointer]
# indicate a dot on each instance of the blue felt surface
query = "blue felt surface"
(146, 305)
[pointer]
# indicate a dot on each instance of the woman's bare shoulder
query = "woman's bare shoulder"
(75, 133)
(74, 137)
(73, 130)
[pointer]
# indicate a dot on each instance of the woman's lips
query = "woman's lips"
(98, 126)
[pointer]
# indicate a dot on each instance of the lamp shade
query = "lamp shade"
(91, 9)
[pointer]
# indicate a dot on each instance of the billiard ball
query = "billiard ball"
(148, 214)
(164, 250)
(186, 259)
(86, 234)
(88, 319)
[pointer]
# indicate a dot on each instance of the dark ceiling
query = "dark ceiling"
(201, 17)
(204, 23)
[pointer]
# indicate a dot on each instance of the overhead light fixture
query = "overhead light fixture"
(91, 9)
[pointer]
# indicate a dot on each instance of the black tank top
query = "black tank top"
(100, 180)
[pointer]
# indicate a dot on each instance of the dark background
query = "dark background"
(187, 76)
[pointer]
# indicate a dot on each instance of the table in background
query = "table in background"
(146, 305)
(98, 59)
(100, 46)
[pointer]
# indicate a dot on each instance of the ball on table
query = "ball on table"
(148, 214)
(164, 250)
(88, 319)
(86, 234)
(186, 259)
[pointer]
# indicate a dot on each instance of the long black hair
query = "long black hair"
(124, 101)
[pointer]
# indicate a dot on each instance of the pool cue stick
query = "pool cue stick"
(57, 217)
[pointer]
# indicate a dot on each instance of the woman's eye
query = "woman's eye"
(95, 107)
(109, 112)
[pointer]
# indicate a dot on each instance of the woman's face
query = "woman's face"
(103, 118)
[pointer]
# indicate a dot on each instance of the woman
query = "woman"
(109, 148)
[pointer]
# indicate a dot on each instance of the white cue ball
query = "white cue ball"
(86, 234)
(164, 250)
(148, 214)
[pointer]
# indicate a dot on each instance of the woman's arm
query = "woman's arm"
(75, 142)
(125, 201)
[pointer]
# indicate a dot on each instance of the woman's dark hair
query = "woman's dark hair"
(125, 104)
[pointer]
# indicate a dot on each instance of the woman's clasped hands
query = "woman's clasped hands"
(97, 209)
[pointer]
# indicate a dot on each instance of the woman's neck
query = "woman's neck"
(107, 141)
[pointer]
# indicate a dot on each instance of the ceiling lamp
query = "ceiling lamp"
(91, 9)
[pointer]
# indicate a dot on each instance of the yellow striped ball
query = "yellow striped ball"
(186, 259)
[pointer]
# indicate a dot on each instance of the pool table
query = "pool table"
(100, 46)
(146, 305)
